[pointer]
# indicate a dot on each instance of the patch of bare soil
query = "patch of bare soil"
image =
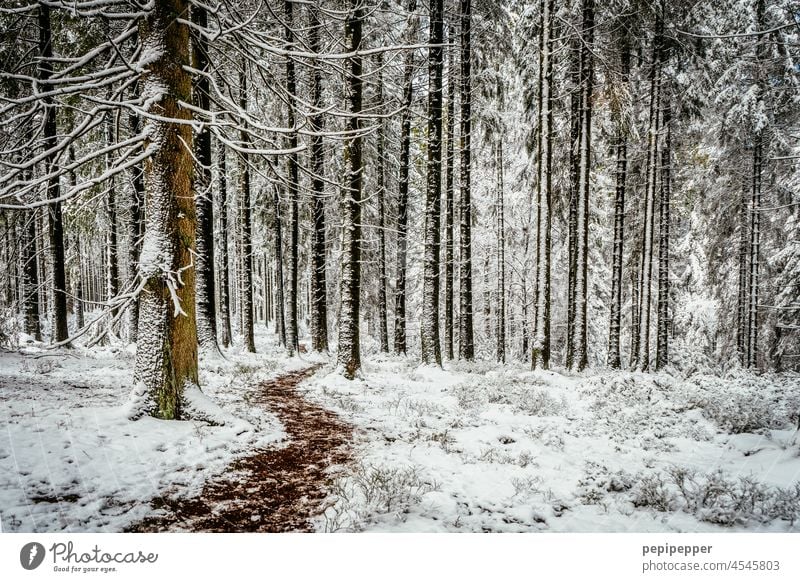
(273, 490)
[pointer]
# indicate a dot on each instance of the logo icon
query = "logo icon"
(31, 555)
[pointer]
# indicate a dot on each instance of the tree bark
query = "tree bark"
(206, 294)
(245, 225)
(349, 355)
(449, 206)
(662, 335)
(292, 340)
(580, 329)
(319, 286)
(225, 282)
(45, 72)
(541, 329)
(429, 326)
(501, 258)
(614, 360)
(466, 343)
(166, 358)
(402, 195)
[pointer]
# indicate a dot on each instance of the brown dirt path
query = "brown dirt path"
(273, 490)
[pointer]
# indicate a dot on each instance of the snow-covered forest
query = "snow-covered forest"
(399, 265)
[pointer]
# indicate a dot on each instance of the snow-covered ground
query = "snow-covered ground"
(70, 460)
(474, 447)
(488, 448)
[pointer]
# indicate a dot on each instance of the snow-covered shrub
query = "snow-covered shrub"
(717, 498)
(653, 491)
(9, 329)
(369, 491)
(537, 402)
(599, 481)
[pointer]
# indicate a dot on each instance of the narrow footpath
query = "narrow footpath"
(273, 490)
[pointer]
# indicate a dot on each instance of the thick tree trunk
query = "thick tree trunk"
(541, 329)
(349, 355)
(204, 197)
(319, 285)
(292, 340)
(466, 343)
(45, 72)
(166, 358)
(429, 325)
(402, 195)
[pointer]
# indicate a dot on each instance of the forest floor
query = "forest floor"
(471, 447)
(274, 489)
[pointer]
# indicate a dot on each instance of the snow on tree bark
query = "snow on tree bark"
(206, 295)
(245, 217)
(45, 72)
(466, 343)
(402, 195)
(319, 286)
(349, 354)
(449, 202)
(429, 324)
(580, 328)
(383, 332)
(541, 329)
(292, 188)
(224, 283)
(166, 356)
(662, 337)
(642, 360)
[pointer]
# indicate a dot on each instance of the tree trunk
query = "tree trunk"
(135, 226)
(448, 206)
(662, 337)
(614, 360)
(225, 283)
(466, 343)
(166, 358)
(646, 261)
(45, 72)
(383, 331)
(319, 285)
(580, 329)
(402, 196)
(754, 263)
(541, 329)
(501, 259)
(30, 270)
(280, 315)
(292, 340)
(112, 235)
(574, 188)
(744, 257)
(429, 325)
(245, 217)
(206, 294)
(349, 355)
